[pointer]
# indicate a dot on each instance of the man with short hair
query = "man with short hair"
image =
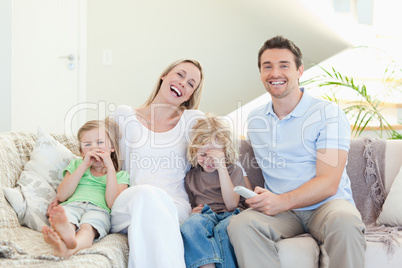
(301, 144)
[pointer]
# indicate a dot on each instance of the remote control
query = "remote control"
(243, 191)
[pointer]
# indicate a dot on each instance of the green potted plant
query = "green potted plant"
(367, 108)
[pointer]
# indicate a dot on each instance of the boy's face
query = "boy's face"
(210, 156)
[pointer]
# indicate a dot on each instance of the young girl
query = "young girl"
(210, 189)
(88, 190)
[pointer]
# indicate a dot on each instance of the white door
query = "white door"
(48, 61)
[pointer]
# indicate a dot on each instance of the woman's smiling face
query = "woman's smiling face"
(180, 83)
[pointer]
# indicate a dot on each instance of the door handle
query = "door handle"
(69, 57)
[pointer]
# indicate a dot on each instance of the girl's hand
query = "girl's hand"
(90, 158)
(198, 209)
(105, 159)
(97, 155)
(218, 157)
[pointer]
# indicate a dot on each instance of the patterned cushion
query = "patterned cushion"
(37, 184)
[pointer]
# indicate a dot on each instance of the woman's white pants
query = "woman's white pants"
(150, 217)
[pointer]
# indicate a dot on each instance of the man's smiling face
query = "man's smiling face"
(279, 73)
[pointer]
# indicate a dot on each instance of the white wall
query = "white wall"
(5, 65)
(225, 36)
(141, 37)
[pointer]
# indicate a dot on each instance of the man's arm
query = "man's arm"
(329, 167)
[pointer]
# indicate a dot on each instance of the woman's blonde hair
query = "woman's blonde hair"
(212, 129)
(195, 98)
(113, 132)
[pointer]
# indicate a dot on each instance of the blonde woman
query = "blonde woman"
(153, 148)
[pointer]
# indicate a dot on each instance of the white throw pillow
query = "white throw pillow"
(391, 210)
(38, 182)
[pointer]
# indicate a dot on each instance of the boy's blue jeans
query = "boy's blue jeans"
(206, 240)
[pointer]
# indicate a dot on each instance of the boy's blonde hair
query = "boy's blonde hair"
(113, 132)
(195, 98)
(212, 129)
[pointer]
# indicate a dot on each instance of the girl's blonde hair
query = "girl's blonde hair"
(195, 98)
(212, 129)
(113, 132)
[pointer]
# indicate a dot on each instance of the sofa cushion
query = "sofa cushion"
(36, 187)
(377, 256)
(299, 251)
(391, 210)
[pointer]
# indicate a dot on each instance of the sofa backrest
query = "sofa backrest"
(15, 151)
(249, 163)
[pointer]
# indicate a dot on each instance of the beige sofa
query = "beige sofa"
(21, 246)
(304, 251)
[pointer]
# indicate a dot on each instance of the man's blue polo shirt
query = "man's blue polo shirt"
(286, 149)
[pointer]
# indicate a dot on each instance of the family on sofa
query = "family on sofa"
(301, 144)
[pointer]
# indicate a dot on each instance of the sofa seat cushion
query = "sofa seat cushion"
(300, 251)
(25, 247)
(377, 256)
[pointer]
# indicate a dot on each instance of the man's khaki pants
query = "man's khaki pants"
(336, 224)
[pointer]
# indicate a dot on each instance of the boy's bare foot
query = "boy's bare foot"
(59, 222)
(53, 239)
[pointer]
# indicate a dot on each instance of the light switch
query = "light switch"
(107, 57)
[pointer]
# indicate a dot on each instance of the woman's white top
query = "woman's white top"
(155, 158)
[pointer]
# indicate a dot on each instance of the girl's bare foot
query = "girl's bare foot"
(53, 239)
(59, 222)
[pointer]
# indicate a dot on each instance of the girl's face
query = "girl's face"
(210, 155)
(95, 140)
(180, 83)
